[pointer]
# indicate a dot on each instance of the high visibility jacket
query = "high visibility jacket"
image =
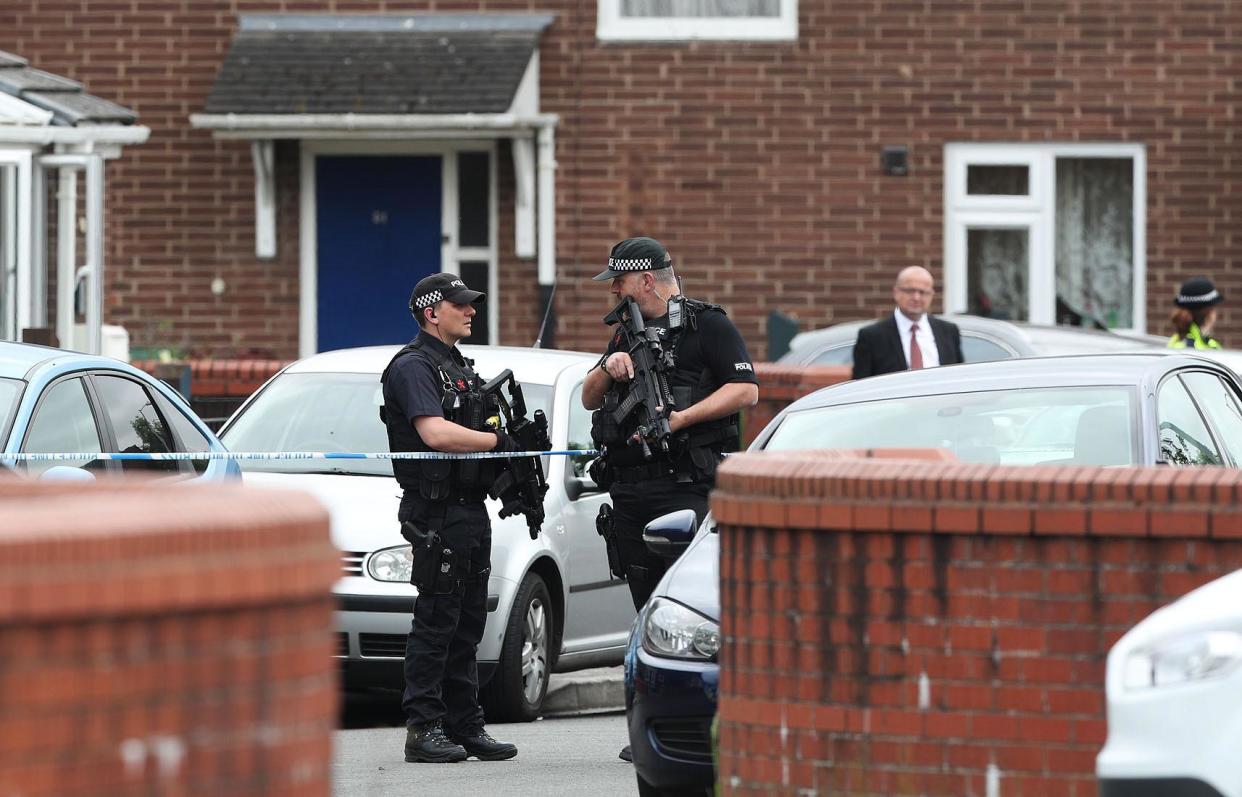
(1195, 338)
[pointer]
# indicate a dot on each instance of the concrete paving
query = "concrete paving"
(585, 692)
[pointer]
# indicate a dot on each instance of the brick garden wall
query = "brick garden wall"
(757, 163)
(845, 583)
(161, 639)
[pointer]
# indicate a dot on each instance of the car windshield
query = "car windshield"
(326, 412)
(1030, 426)
(10, 391)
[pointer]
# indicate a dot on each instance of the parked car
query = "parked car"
(1123, 409)
(1174, 688)
(57, 401)
(983, 340)
(553, 605)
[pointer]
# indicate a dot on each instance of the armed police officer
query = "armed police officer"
(709, 377)
(426, 387)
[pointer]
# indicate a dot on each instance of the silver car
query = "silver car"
(983, 340)
(552, 603)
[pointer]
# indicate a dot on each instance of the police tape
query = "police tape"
(287, 455)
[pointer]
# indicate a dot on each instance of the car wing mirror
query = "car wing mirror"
(66, 473)
(578, 486)
(669, 535)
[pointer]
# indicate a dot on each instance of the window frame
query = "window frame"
(103, 427)
(1037, 213)
(1208, 425)
(611, 26)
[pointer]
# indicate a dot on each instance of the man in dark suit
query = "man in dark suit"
(910, 338)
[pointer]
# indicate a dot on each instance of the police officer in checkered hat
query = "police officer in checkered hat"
(712, 379)
(445, 497)
(1194, 315)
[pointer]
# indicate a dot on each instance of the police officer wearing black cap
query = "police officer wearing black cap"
(422, 384)
(713, 378)
(1194, 315)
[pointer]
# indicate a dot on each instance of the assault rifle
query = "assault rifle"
(521, 486)
(648, 392)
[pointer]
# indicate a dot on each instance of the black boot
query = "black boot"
(626, 754)
(483, 747)
(426, 743)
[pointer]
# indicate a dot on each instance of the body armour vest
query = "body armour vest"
(695, 451)
(438, 479)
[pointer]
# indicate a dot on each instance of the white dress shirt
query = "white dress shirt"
(927, 341)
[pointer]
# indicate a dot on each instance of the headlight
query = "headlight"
(391, 564)
(1195, 657)
(672, 630)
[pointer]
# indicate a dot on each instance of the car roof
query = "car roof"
(538, 365)
(1027, 339)
(17, 359)
(1067, 371)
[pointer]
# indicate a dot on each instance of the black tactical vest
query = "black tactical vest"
(696, 451)
(440, 479)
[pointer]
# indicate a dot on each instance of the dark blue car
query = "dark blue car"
(671, 669)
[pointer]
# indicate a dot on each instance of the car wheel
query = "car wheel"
(516, 691)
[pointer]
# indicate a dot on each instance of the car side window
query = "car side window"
(63, 423)
(189, 438)
(981, 350)
(1184, 437)
(841, 354)
(579, 432)
(138, 425)
(1221, 406)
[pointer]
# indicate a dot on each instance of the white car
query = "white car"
(1174, 688)
(552, 603)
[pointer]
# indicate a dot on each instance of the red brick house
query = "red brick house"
(1046, 160)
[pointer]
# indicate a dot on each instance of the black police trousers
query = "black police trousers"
(441, 674)
(636, 504)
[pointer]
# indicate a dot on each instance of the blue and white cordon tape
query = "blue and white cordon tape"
(278, 455)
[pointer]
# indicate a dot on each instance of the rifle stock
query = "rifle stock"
(520, 488)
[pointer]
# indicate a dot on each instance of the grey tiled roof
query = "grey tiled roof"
(375, 64)
(69, 104)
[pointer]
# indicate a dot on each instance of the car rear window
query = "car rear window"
(1082, 425)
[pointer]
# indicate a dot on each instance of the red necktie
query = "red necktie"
(916, 355)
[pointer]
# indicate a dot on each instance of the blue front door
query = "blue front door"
(378, 222)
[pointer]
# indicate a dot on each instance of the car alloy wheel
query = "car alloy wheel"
(517, 689)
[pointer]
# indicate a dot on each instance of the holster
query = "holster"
(605, 528)
(434, 568)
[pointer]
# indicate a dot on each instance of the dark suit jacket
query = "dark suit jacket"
(878, 348)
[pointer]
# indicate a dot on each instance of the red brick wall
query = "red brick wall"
(164, 639)
(845, 582)
(757, 163)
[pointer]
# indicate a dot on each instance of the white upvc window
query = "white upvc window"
(1047, 233)
(682, 20)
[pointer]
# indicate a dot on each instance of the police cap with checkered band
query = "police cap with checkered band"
(437, 287)
(635, 254)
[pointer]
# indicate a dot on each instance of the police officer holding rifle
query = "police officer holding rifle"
(433, 402)
(666, 396)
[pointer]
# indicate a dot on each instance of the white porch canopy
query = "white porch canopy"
(47, 124)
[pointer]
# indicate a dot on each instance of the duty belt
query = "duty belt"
(642, 473)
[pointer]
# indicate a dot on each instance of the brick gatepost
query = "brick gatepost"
(164, 639)
(925, 628)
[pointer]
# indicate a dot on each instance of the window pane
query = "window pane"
(63, 423)
(998, 180)
(700, 8)
(191, 439)
(579, 432)
(474, 274)
(1184, 438)
(979, 350)
(472, 199)
(997, 263)
(138, 426)
(1095, 242)
(1218, 401)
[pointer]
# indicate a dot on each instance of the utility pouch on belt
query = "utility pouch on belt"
(432, 569)
(604, 527)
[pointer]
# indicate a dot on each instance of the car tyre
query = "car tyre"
(517, 688)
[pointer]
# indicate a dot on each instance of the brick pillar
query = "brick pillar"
(164, 639)
(916, 628)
